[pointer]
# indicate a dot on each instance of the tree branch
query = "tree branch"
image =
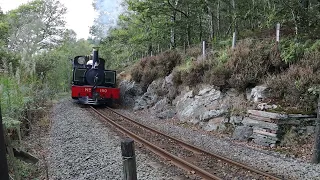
(177, 9)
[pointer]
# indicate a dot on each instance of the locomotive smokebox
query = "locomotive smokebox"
(95, 56)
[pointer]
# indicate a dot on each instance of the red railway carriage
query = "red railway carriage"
(91, 82)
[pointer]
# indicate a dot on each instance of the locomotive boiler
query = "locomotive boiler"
(91, 82)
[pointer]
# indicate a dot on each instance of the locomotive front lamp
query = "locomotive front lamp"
(81, 60)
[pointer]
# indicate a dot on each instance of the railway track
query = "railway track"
(186, 156)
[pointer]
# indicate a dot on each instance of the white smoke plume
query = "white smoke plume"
(108, 11)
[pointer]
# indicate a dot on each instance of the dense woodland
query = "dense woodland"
(35, 43)
(150, 26)
(290, 68)
(35, 53)
(36, 48)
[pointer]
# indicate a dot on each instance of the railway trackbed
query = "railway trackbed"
(186, 156)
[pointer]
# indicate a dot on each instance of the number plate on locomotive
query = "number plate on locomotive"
(103, 90)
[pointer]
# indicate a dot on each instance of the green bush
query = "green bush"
(176, 77)
(291, 51)
(167, 61)
(292, 85)
(150, 68)
(194, 52)
(315, 47)
(249, 63)
(218, 76)
(137, 73)
(195, 74)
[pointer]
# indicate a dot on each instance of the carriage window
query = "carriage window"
(79, 75)
(110, 77)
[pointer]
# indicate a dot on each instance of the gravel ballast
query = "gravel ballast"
(269, 161)
(81, 147)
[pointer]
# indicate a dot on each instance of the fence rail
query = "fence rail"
(204, 45)
(4, 173)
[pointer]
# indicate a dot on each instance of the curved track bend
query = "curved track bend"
(205, 164)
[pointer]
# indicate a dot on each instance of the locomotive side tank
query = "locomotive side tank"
(91, 82)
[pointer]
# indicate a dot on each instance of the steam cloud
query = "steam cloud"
(108, 11)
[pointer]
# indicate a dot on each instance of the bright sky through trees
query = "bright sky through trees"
(79, 17)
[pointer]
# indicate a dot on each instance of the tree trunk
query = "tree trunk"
(188, 28)
(218, 18)
(294, 16)
(4, 173)
(150, 49)
(234, 15)
(200, 28)
(212, 35)
(304, 17)
(210, 14)
(252, 21)
(173, 36)
(316, 150)
(173, 21)
(305, 4)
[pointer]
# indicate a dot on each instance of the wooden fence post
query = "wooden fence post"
(203, 50)
(4, 174)
(234, 39)
(11, 155)
(278, 33)
(316, 147)
(129, 160)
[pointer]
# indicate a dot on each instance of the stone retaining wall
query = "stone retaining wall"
(267, 128)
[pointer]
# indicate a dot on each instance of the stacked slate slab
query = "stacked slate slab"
(268, 128)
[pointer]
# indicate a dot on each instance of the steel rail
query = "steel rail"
(174, 159)
(197, 149)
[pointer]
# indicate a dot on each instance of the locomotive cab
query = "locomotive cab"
(93, 84)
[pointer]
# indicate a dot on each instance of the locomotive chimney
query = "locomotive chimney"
(95, 56)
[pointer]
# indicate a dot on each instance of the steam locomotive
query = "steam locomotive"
(91, 82)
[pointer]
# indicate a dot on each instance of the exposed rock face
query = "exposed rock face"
(210, 109)
(151, 97)
(265, 106)
(235, 120)
(155, 87)
(129, 90)
(167, 114)
(161, 105)
(242, 133)
(163, 109)
(215, 124)
(258, 93)
(169, 90)
(146, 101)
(200, 107)
(158, 89)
